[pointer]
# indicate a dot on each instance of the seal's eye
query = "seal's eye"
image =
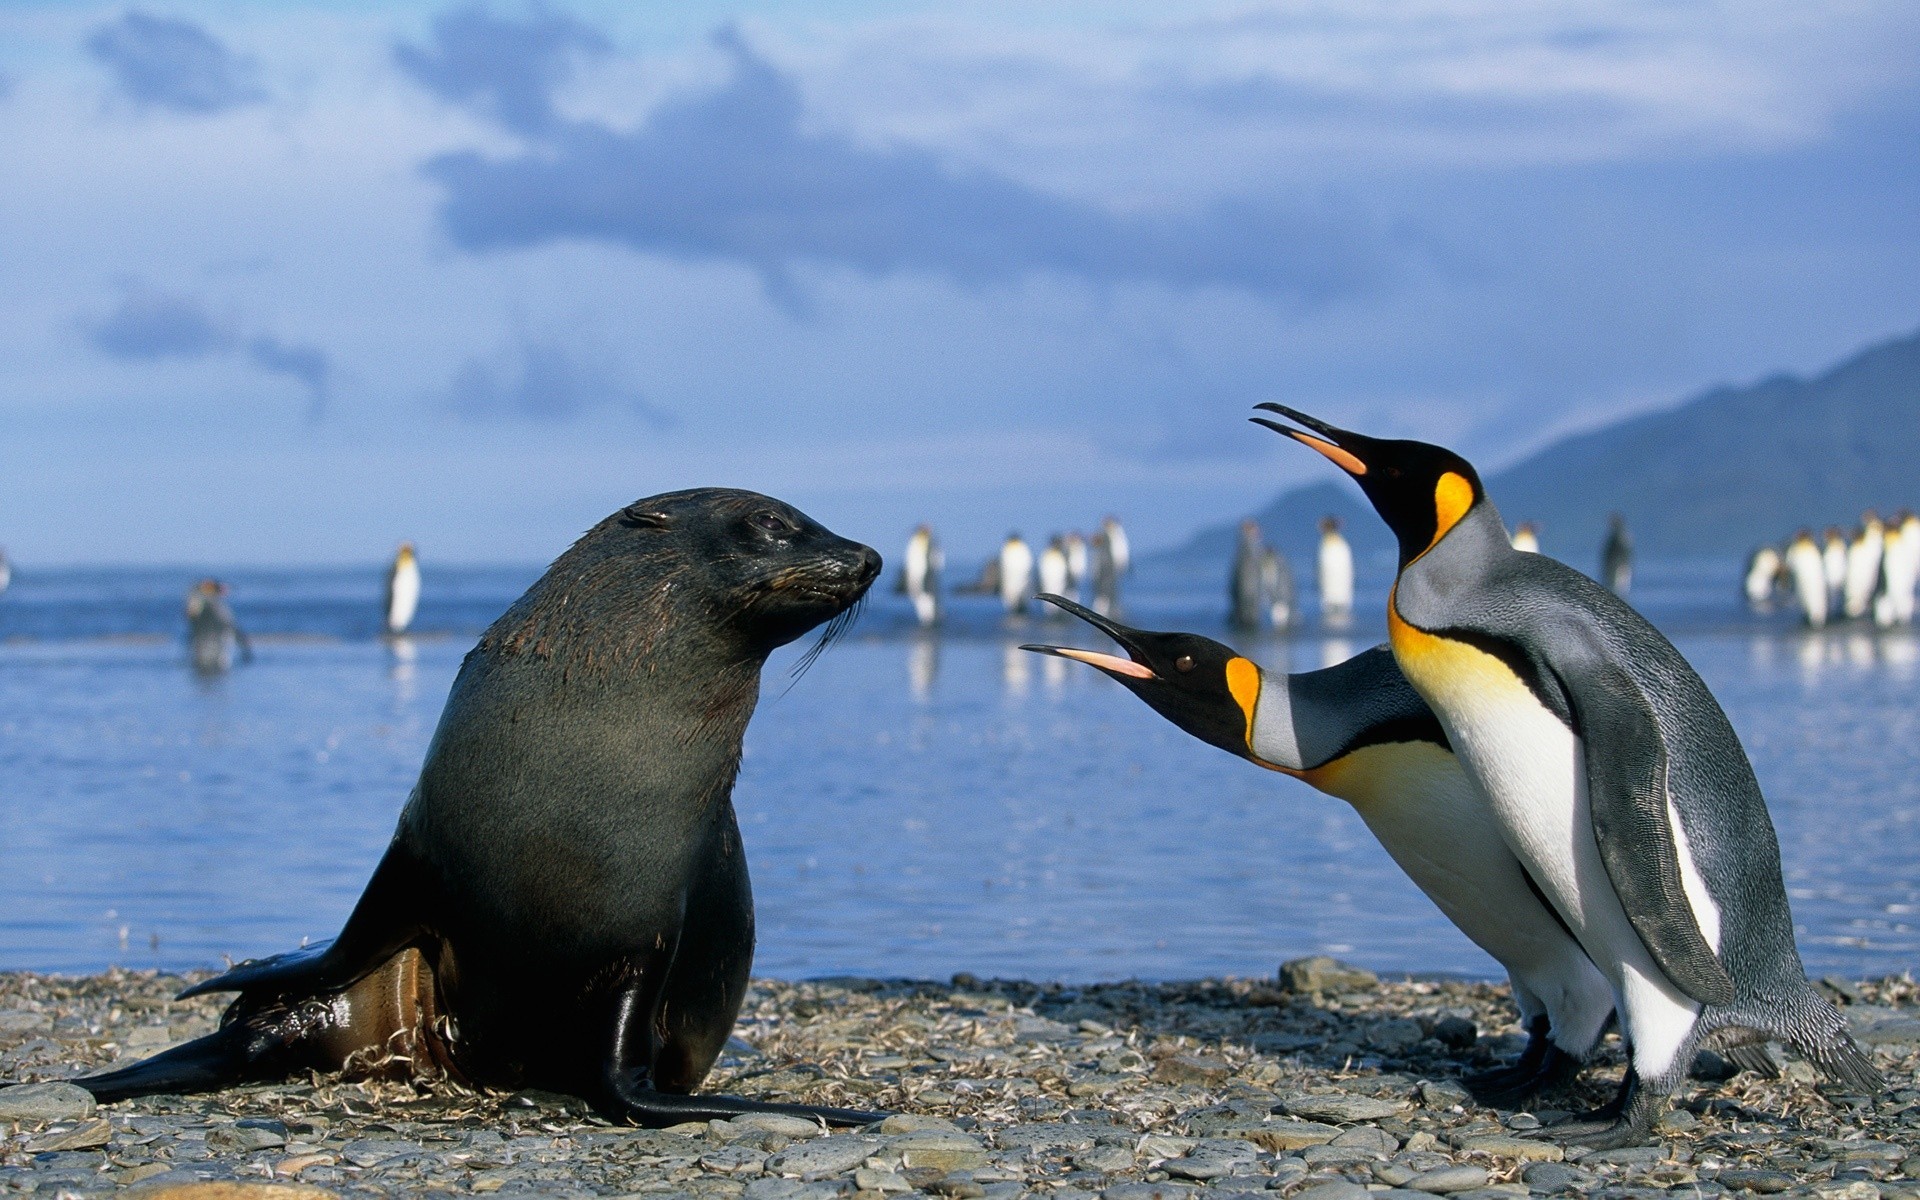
(1183, 663)
(770, 522)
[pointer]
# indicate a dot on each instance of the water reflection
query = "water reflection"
(1016, 669)
(923, 666)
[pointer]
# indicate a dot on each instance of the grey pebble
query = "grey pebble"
(1555, 1177)
(822, 1157)
(1339, 1109)
(1105, 1159)
(1449, 1179)
(1148, 1191)
(45, 1102)
(734, 1160)
(776, 1188)
(1338, 1190)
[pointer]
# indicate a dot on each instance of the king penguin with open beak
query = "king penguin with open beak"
(1358, 732)
(1612, 772)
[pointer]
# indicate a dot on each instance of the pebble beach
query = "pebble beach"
(1321, 1083)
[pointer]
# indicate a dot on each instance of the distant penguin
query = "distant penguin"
(1054, 571)
(1900, 578)
(1360, 732)
(6, 571)
(1806, 566)
(1117, 544)
(1616, 556)
(1276, 581)
(403, 590)
(1764, 568)
(1016, 574)
(920, 577)
(1079, 562)
(212, 633)
(1863, 566)
(1106, 574)
(1245, 592)
(1336, 573)
(1613, 773)
(1527, 538)
(1833, 557)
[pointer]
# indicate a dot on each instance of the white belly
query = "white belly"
(405, 599)
(1533, 771)
(1437, 826)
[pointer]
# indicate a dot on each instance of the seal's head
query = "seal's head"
(737, 573)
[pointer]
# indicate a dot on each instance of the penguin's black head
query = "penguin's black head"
(1420, 490)
(1200, 685)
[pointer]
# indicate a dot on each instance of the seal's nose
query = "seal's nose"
(866, 564)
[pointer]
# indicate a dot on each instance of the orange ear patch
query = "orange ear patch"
(1243, 681)
(1452, 497)
(1341, 458)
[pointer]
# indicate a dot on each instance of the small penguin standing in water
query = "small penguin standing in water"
(1806, 565)
(1616, 556)
(1106, 573)
(1612, 771)
(1833, 557)
(1016, 574)
(1054, 570)
(1276, 580)
(212, 633)
(1358, 731)
(1863, 566)
(403, 590)
(1245, 585)
(1118, 547)
(1078, 562)
(920, 577)
(1763, 573)
(1526, 538)
(6, 571)
(1899, 566)
(1336, 573)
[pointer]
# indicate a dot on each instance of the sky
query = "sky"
(285, 283)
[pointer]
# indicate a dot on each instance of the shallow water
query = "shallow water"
(914, 805)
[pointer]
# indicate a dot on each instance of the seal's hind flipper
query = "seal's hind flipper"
(238, 1052)
(386, 918)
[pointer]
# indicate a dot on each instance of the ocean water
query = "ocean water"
(915, 805)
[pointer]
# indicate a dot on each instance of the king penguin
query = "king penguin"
(1610, 768)
(403, 590)
(920, 577)
(1357, 731)
(1863, 566)
(1016, 574)
(1336, 573)
(1764, 569)
(1807, 567)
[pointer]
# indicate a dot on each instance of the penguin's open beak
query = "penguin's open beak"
(1329, 444)
(1106, 662)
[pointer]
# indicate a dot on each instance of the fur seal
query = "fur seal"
(565, 904)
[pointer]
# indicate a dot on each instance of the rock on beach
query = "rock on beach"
(1324, 1084)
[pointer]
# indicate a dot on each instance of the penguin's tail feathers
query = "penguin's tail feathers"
(1752, 1057)
(1840, 1059)
(237, 1052)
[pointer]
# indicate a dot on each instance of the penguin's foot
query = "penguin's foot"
(1626, 1120)
(1513, 1086)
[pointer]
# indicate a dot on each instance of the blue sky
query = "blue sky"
(286, 283)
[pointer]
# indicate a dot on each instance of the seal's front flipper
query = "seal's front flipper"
(240, 1051)
(635, 1100)
(386, 918)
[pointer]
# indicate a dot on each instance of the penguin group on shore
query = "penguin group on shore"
(1609, 770)
(1871, 575)
(1069, 564)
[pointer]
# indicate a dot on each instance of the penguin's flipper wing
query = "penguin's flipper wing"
(386, 919)
(1626, 761)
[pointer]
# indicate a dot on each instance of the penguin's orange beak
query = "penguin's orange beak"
(1328, 445)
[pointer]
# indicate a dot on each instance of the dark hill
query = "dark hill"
(1717, 475)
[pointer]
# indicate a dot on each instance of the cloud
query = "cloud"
(150, 325)
(307, 364)
(505, 69)
(540, 379)
(161, 62)
(732, 175)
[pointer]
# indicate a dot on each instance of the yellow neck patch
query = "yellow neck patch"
(1243, 681)
(1452, 497)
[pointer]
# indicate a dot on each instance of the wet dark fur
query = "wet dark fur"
(568, 874)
